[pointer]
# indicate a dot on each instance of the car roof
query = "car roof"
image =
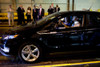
(88, 12)
(82, 11)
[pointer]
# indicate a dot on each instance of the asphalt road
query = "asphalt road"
(54, 61)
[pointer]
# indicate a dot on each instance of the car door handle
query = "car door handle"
(41, 33)
(73, 32)
(90, 32)
(59, 34)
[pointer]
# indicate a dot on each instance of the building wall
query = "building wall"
(4, 5)
(45, 3)
(79, 4)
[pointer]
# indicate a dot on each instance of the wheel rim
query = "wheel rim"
(30, 53)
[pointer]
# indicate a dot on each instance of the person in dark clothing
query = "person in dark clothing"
(50, 10)
(40, 12)
(20, 12)
(35, 14)
(28, 14)
(57, 8)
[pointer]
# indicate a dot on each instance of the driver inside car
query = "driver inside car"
(61, 24)
(76, 23)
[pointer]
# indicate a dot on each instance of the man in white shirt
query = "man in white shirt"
(10, 15)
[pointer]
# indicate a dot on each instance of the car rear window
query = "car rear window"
(93, 19)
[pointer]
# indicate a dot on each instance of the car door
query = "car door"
(54, 38)
(76, 40)
(92, 31)
(65, 39)
(75, 37)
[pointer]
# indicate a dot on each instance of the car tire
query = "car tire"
(30, 52)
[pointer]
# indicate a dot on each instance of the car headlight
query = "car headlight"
(10, 37)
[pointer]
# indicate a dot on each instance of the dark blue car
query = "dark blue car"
(71, 31)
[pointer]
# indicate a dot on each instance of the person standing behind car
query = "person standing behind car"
(35, 14)
(10, 15)
(57, 8)
(20, 12)
(28, 14)
(40, 12)
(0, 12)
(50, 10)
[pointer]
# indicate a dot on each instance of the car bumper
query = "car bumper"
(4, 50)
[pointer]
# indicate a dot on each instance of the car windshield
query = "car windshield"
(49, 17)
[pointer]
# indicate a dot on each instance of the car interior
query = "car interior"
(62, 23)
(68, 22)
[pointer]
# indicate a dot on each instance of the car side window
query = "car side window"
(63, 22)
(93, 20)
(70, 21)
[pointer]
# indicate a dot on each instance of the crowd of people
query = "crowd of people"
(37, 13)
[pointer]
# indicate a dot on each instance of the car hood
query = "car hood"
(30, 27)
(22, 29)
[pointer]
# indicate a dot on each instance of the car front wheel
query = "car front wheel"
(30, 52)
